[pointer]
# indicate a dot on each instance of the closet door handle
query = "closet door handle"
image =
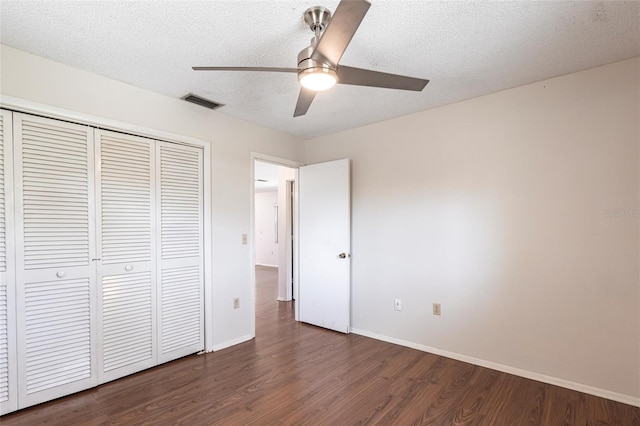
(61, 274)
(128, 268)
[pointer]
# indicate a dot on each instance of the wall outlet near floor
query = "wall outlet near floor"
(436, 309)
(397, 305)
(236, 303)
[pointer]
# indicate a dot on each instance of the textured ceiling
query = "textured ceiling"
(265, 172)
(465, 48)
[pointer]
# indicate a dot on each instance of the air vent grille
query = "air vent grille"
(201, 101)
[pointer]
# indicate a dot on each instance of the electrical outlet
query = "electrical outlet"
(436, 309)
(236, 303)
(397, 306)
(244, 239)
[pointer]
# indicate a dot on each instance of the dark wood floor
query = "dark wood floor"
(296, 374)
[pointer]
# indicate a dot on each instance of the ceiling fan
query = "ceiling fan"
(318, 65)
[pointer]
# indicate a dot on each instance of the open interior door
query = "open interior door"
(325, 245)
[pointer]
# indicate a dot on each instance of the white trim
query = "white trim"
(231, 342)
(267, 265)
(281, 299)
(275, 160)
(207, 156)
(603, 393)
(50, 111)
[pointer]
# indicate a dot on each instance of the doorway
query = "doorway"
(323, 209)
(273, 233)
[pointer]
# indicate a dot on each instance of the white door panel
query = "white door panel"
(325, 245)
(180, 269)
(126, 248)
(55, 248)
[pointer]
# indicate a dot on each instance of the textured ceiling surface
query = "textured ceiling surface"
(266, 176)
(466, 49)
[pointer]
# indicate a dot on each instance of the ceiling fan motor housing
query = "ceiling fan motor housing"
(306, 65)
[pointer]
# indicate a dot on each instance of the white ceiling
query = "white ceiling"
(265, 172)
(466, 49)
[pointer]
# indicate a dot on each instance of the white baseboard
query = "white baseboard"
(626, 399)
(232, 342)
(266, 264)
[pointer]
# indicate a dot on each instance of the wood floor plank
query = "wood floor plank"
(297, 374)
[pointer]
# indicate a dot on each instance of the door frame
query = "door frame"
(278, 161)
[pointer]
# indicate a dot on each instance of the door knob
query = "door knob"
(342, 255)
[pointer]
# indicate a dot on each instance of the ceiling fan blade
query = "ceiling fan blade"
(362, 77)
(304, 101)
(268, 69)
(344, 23)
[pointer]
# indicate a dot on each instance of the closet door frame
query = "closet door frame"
(44, 110)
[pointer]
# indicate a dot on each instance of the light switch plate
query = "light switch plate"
(397, 305)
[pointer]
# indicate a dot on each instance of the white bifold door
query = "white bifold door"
(55, 258)
(126, 242)
(101, 256)
(151, 279)
(180, 272)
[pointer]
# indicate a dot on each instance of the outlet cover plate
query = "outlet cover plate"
(437, 309)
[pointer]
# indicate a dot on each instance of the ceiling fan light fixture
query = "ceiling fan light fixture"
(318, 78)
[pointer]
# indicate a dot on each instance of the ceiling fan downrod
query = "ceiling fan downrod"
(317, 18)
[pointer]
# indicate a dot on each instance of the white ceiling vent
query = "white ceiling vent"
(201, 101)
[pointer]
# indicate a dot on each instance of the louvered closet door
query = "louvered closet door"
(8, 366)
(127, 285)
(180, 276)
(55, 246)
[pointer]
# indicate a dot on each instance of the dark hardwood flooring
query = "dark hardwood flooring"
(296, 374)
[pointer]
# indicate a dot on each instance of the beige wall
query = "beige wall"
(40, 80)
(498, 208)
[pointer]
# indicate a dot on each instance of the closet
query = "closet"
(101, 256)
